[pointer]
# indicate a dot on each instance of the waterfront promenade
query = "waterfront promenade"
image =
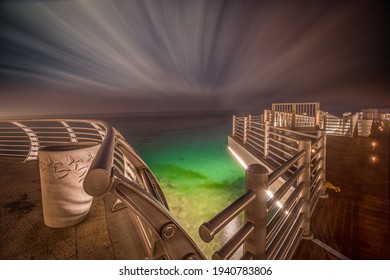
(353, 223)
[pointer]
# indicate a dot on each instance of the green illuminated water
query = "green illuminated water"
(196, 172)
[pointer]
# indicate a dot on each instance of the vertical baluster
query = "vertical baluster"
(305, 177)
(317, 119)
(256, 212)
(294, 110)
(234, 126)
(322, 133)
(265, 118)
(245, 129)
(266, 139)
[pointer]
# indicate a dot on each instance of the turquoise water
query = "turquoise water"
(193, 165)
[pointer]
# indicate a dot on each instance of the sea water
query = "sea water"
(190, 159)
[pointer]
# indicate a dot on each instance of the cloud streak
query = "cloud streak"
(195, 54)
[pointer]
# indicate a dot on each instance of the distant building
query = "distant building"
(376, 114)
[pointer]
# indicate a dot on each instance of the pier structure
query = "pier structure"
(285, 171)
(284, 154)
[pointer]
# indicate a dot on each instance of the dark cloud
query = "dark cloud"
(103, 56)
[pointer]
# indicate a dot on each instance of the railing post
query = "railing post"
(305, 177)
(69, 129)
(256, 212)
(234, 125)
(245, 129)
(294, 110)
(322, 133)
(317, 123)
(266, 117)
(266, 139)
(325, 121)
(34, 142)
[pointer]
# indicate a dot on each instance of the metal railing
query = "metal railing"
(23, 138)
(274, 223)
(276, 144)
(295, 115)
(336, 126)
(116, 168)
(309, 116)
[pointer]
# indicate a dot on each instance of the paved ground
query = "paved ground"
(22, 230)
(353, 223)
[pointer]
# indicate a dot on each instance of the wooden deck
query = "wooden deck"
(355, 221)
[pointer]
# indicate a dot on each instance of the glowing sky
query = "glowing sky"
(65, 57)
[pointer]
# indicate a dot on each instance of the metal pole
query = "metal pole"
(245, 128)
(325, 121)
(317, 123)
(266, 139)
(256, 212)
(294, 110)
(305, 177)
(234, 125)
(322, 133)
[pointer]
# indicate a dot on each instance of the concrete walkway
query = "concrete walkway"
(23, 234)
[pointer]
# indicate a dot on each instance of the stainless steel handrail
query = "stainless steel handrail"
(304, 176)
(208, 230)
(142, 194)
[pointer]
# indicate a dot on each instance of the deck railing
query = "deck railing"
(117, 168)
(308, 116)
(295, 115)
(336, 126)
(274, 223)
(23, 138)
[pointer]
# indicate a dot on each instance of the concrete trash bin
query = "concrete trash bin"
(62, 170)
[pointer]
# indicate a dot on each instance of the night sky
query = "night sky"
(72, 57)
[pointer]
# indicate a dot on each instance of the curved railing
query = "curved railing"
(148, 202)
(116, 168)
(23, 138)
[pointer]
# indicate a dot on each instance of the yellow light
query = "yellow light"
(313, 150)
(279, 204)
(374, 158)
(373, 144)
(238, 158)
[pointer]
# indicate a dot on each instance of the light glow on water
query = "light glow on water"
(197, 175)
